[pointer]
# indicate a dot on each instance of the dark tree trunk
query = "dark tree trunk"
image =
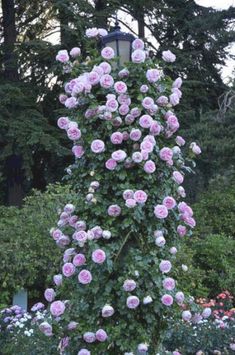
(9, 33)
(101, 13)
(64, 24)
(140, 20)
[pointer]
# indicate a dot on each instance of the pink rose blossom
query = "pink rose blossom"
(57, 279)
(147, 146)
(89, 337)
(178, 177)
(75, 52)
(160, 211)
(119, 155)
(111, 164)
(97, 146)
(167, 300)
(124, 99)
(129, 285)
(180, 141)
(135, 134)
(98, 256)
(84, 352)
(124, 73)
(166, 154)
(138, 56)
(206, 313)
(149, 167)
(63, 122)
(107, 311)
(179, 296)
(135, 112)
(145, 121)
(106, 67)
(107, 53)
(153, 75)
(142, 348)
(144, 89)
(79, 260)
(120, 87)
(124, 109)
(62, 98)
(93, 78)
(165, 266)
(185, 209)
(101, 335)
(78, 88)
(92, 32)
(173, 123)
(177, 83)
(68, 269)
(181, 230)
(160, 241)
(155, 128)
(46, 329)
(174, 99)
(137, 157)
(232, 346)
(57, 308)
(128, 194)
(140, 196)
(162, 101)
(195, 148)
(49, 294)
(168, 283)
(129, 119)
(132, 302)
(78, 151)
(138, 44)
(106, 81)
(102, 32)
(84, 277)
(71, 102)
(62, 56)
(168, 56)
(173, 250)
(186, 315)
(56, 234)
(80, 236)
(114, 210)
(116, 138)
(147, 102)
(169, 202)
(112, 105)
(130, 203)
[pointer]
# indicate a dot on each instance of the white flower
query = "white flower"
(147, 300)
(184, 267)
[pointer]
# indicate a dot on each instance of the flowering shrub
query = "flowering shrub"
(114, 292)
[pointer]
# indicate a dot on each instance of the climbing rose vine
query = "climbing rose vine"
(114, 291)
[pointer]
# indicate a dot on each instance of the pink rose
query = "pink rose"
(111, 164)
(144, 89)
(80, 236)
(173, 250)
(71, 102)
(92, 32)
(152, 75)
(97, 146)
(173, 123)
(58, 279)
(74, 133)
(101, 335)
(138, 56)
(129, 119)
(98, 256)
(155, 128)
(93, 78)
(137, 157)
(106, 67)
(195, 148)
(63, 122)
(132, 302)
(62, 98)
(57, 308)
(145, 121)
(120, 87)
(124, 73)
(160, 211)
(89, 337)
(135, 134)
(84, 277)
(78, 88)
(147, 146)
(114, 210)
(119, 155)
(138, 44)
(140, 196)
(124, 109)
(165, 266)
(116, 138)
(107, 53)
(106, 81)
(167, 300)
(149, 167)
(168, 56)
(180, 141)
(124, 99)
(107, 311)
(56, 234)
(129, 285)
(186, 315)
(79, 260)
(177, 83)
(112, 105)
(84, 352)
(166, 154)
(160, 241)
(62, 56)
(178, 177)
(75, 52)
(128, 194)
(206, 313)
(147, 102)
(135, 112)
(49, 294)
(130, 203)
(169, 202)
(162, 101)
(168, 283)
(181, 230)
(143, 348)
(174, 99)
(78, 151)
(179, 296)
(46, 329)
(68, 269)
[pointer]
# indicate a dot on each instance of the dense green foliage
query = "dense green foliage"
(27, 253)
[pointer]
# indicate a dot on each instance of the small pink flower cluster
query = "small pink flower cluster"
(100, 335)
(96, 32)
(186, 214)
(138, 55)
(132, 198)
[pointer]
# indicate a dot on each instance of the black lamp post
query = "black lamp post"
(120, 42)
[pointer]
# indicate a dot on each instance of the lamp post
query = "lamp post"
(120, 42)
